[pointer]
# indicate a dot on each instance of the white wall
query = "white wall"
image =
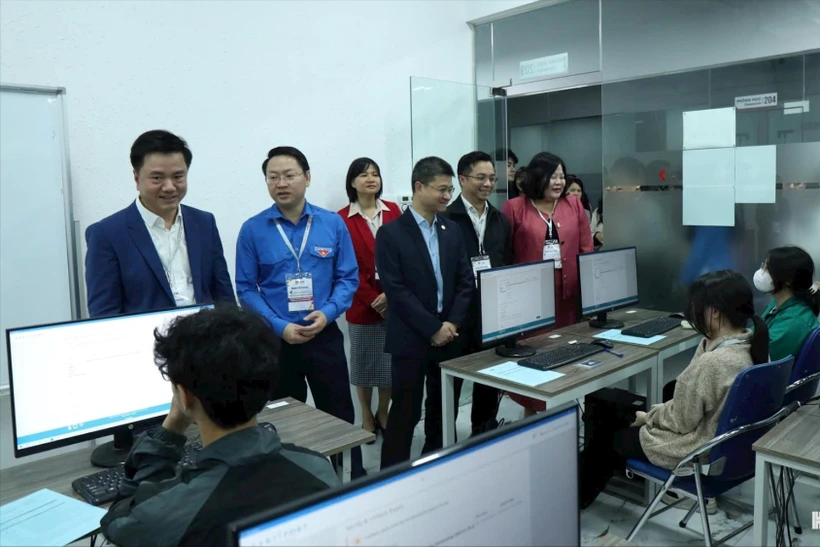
(235, 79)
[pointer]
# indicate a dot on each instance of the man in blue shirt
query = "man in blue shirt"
(296, 268)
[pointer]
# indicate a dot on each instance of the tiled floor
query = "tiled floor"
(611, 515)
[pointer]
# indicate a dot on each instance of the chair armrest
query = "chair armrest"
(708, 446)
(801, 381)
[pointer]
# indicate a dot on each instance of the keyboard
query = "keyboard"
(559, 357)
(653, 327)
(101, 487)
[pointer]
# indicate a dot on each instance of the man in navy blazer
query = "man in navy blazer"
(156, 253)
(428, 280)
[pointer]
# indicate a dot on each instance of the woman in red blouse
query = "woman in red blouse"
(369, 365)
(547, 223)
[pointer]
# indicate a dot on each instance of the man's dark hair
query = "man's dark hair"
(468, 161)
(226, 356)
(158, 141)
(359, 166)
(539, 172)
(294, 153)
(427, 169)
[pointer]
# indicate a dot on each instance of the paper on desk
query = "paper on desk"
(47, 518)
(616, 336)
(277, 404)
(513, 372)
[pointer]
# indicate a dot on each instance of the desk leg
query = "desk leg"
(659, 381)
(762, 493)
(448, 418)
(344, 471)
(653, 395)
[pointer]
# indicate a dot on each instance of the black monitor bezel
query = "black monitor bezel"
(45, 447)
(243, 524)
(501, 341)
(580, 286)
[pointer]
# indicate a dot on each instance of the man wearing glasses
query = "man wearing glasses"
(426, 275)
(487, 236)
(296, 268)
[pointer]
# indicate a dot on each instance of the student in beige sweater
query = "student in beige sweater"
(720, 308)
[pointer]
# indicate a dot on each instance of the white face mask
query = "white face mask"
(763, 281)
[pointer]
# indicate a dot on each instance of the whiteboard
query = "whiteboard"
(38, 266)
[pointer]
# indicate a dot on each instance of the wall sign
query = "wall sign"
(764, 100)
(544, 66)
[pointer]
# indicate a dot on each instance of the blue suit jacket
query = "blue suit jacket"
(407, 277)
(123, 272)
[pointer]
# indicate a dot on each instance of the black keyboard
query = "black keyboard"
(653, 327)
(559, 357)
(101, 487)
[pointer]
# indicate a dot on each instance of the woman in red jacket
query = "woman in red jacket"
(547, 223)
(369, 365)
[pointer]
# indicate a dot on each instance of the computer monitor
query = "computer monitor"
(609, 281)
(515, 300)
(80, 380)
(517, 485)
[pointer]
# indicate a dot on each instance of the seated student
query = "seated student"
(787, 274)
(219, 363)
(720, 308)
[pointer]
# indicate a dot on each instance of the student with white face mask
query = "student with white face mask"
(787, 274)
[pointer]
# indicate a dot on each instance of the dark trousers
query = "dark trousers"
(485, 398)
(322, 362)
(409, 378)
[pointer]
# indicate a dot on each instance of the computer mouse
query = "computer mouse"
(677, 315)
(604, 344)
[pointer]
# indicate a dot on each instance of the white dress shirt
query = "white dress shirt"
(173, 253)
(479, 222)
(374, 223)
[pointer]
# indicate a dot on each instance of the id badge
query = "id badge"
(552, 251)
(300, 292)
(480, 263)
(376, 271)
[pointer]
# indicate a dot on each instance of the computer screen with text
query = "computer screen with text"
(609, 280)
(516, 299)
(514, 488)
(75, 378)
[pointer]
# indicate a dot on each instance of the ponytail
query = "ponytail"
(809, 299)
(760, 341)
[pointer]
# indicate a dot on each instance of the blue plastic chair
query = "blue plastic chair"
(754, 405)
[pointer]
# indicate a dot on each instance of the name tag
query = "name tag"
(480, 263)
(300, 292)
(552, 251)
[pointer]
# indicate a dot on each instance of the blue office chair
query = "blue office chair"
(754, 405)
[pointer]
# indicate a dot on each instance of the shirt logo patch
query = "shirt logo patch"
(323, 251)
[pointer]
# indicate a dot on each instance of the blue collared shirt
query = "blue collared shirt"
(430, 234)
(263, 260)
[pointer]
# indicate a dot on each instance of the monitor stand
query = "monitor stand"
(601, 322)
(511, 349)
(113, 453)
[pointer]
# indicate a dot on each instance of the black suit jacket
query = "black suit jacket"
(407, 277)
(497, 245)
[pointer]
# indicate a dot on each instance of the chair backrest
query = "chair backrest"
(756, 394)
(806, 364)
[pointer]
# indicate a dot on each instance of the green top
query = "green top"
(789, 326)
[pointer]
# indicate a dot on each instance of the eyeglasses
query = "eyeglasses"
(482, 178)
(444, 191)
(289, 178)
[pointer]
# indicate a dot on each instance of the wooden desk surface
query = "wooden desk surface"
(613, 541)
(471, 365)
(796, 438)
(296, 423)
(671, 338)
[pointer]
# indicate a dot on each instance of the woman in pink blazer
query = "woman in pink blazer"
(547, 223)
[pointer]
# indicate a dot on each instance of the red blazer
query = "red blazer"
(364, 244)
(529, 232)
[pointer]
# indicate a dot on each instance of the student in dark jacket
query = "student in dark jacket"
(487, 240)
(219, 363)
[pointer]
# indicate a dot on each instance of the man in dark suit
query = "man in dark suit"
(156, 253)
(488, 243)
(426, 275)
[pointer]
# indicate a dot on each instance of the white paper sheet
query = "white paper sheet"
(713, 128)
(616, 336)
(47, 518)
(755, 174)
(277, 404)
(513, 372)
(709, 206)
(710, 168)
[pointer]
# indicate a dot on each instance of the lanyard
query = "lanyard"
(730, 342)
(547, 222)
(290, 246)
(173, 252)
(480, 228)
